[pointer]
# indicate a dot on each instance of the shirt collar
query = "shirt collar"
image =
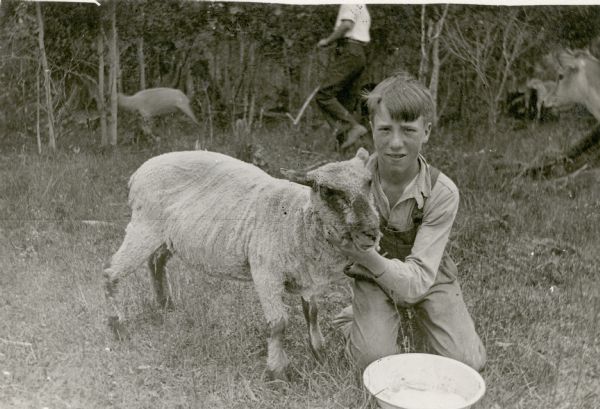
(418, 189)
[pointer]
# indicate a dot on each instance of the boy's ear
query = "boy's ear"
(427, 131)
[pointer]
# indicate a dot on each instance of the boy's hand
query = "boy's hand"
(374, 263)
(347, 247)
(358, 272)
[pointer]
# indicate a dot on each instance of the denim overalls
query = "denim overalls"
(371, 325)
(398, 244)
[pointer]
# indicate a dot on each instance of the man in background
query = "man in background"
(336, 95)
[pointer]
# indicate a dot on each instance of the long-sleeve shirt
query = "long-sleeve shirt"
(409, 280)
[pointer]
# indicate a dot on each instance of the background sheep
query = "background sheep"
(153, 102)
(235, 220)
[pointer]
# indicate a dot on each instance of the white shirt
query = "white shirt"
(358, 14)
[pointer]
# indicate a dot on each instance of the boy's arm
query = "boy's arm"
(408, 281)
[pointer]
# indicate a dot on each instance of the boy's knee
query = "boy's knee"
(478, 359)
(474, 357)
(375, 324)
(363, 354)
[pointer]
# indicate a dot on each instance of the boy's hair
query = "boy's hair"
(405, 98)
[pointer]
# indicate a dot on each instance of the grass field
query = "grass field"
(527, 252)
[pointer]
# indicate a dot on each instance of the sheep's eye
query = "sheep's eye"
(327, 193)
(560, 76)
(335, 198)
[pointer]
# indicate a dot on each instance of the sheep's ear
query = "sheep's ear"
(567, 60)
(592, 55)
(297, 176)
(362, 154)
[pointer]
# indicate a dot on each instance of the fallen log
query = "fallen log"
(584, 152)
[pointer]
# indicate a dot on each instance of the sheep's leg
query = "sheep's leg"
(270, 291)
(315, 337)
(146, 125)
(139, 243)
(277, 360)
(157, 264)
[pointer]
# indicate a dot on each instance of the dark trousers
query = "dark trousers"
(338, 90)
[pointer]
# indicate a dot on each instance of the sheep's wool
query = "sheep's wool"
(234, 219)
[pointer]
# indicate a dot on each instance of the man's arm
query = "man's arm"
(347, 17)
(408, 281)
(339, 32)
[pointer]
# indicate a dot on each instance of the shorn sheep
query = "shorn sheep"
(234, 220)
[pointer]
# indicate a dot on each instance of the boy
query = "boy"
(418, 205)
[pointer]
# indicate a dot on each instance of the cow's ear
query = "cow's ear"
(297, 176)
(362, 154)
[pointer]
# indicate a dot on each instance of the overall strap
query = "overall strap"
(398, 244)
(417, 214)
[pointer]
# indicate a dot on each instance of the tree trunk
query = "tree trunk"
(141, 62)
(190, 87)
(510, 52)
(429, 67)
(100, 101)
(424, 56)
(37, 122)
(49, 109)
(179, 68)
(435, 74)
(114, 70)
(117, 53)
(288, 77)
(209, 110)
(435, 57)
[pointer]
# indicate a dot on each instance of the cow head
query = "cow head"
(575, 81)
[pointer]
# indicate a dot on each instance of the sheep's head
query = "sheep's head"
(341, 194)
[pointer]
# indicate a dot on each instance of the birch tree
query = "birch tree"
(113, 74)
(100, 99)
(47, 85)
(489, 45)
(141, 62)
(429, 67)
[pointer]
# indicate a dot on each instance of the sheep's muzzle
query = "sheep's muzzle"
(364, 230)
(366, 239)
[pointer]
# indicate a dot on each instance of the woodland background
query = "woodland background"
(244, 60)
(526, 247)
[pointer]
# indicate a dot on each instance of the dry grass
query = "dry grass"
(527, 254)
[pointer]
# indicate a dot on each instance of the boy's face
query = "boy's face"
(398, 143)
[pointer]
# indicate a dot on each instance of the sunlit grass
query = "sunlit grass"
(526, 250)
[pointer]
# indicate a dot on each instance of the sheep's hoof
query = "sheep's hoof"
(167, 304)
(317, 352)
(118, 328)
(110, 285)
(277, 375)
